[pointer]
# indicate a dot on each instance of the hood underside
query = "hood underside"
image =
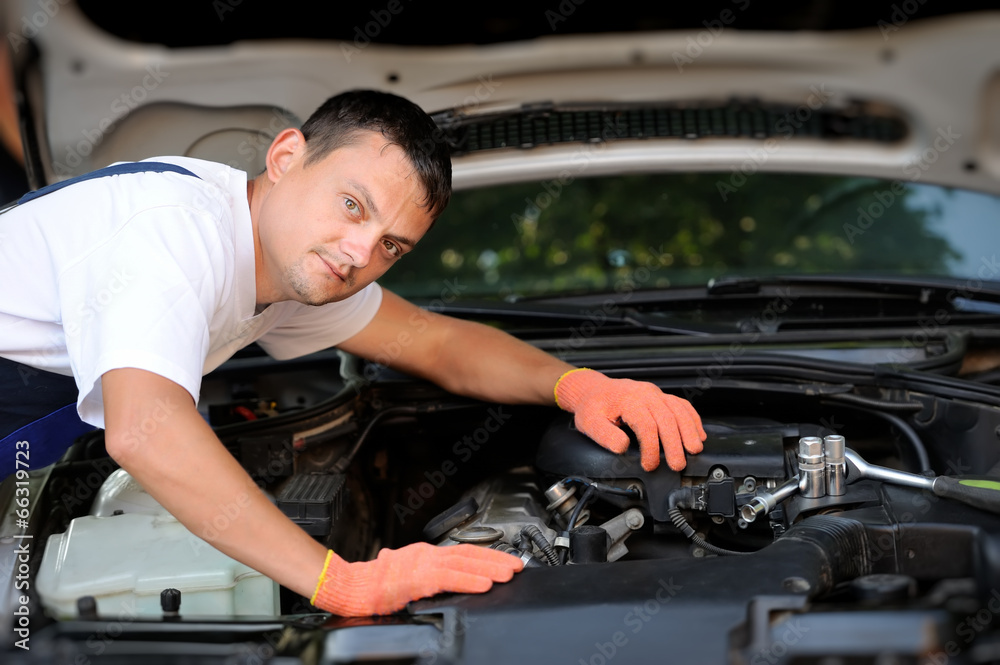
(732, 100)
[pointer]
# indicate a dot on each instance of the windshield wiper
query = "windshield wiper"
(895, 301)
(945, 288)
(598, 316)
(922, 289)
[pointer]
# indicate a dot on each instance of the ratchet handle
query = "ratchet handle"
(983, 494)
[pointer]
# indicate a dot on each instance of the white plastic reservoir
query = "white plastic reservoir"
(124, 561)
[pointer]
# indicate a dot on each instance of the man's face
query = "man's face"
(327, 230)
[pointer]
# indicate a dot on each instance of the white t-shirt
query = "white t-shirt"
(148, 270)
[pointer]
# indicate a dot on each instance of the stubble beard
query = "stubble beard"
(309, 288)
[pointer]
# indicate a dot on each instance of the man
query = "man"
(137, 283)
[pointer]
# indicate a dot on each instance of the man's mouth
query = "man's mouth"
(336, 273)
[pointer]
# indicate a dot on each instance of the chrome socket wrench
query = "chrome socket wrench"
(836, 466)
(765, 502)
(812, 467)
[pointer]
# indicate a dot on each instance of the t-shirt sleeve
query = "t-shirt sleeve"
(305, 329)
(144, 299)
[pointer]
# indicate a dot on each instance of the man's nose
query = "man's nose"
(357, 247)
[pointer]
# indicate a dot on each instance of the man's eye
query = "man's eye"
(350, 205)
(391, 247)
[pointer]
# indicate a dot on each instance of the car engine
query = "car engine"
(803, 510)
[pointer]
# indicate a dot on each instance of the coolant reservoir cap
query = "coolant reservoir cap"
(170, 600)
(477, 535)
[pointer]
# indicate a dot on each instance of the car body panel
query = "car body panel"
(905, 363)
(940, 75)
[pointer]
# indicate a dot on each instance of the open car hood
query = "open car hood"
(905, 99)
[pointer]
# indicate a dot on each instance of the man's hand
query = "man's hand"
(472, 359)
(396, 577)
(155, 432)
(601, 403)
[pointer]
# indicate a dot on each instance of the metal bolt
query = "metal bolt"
(796, 584)
(749, 484)
(718, 519)
(718, 473)
(811, 447)
(698, 553)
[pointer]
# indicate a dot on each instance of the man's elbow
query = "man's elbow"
(141, 409)
(121, 444)
(128, 441)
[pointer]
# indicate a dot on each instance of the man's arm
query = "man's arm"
(185, 467)
(464, 357)
(472, 359)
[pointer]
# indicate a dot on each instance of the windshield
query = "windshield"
(544, 239)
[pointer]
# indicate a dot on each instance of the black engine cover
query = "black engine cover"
(741, 447)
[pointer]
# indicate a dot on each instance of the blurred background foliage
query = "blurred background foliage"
(673, 229)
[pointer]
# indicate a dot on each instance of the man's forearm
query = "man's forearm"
(464, 357)
(490, 364)
(185, 467)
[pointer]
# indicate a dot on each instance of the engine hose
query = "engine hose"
(678, 519)
(634, 492)
(843, 541)
(587, 494)
(529, 560)
(520, 543)
(538, 538)
(886, 405)
(340, 466)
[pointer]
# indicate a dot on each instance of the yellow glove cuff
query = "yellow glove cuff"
(322, 576)
(555, 389)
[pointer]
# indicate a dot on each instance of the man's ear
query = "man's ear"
(288, 146)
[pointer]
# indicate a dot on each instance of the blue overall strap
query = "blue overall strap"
(46, 439)
(42, 442)
(117, 169)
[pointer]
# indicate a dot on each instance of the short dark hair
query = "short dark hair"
(341, 118)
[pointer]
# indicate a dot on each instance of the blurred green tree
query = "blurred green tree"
(671, 229)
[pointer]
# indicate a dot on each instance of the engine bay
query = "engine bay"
(806, 515)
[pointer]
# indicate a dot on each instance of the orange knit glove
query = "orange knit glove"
(601, 404)
(396, 577)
